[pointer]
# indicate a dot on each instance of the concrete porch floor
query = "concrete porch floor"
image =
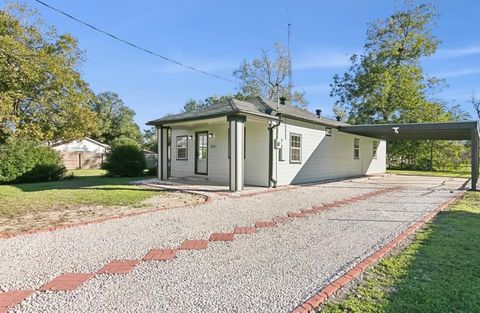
(204, 186)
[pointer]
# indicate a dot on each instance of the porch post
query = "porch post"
(162, 156)
(475, 151)
(235, 151)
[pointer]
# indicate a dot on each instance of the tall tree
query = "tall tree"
(42, 94)
(387, 82)
(476, 105)
(261, 76)
(150, 139)
(116, 120)
(193, 104)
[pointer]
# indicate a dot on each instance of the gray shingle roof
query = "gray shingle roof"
(254, 105)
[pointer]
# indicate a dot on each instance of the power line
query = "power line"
(132, 44)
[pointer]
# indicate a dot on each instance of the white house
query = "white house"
(262, 143)
(83, 145)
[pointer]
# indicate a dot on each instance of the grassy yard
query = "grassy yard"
(438, 272)
(93, 172)
(461, 173)
(87, 187)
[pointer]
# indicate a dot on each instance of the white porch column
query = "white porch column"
(475, 157)
(236, 126)
(162, 163)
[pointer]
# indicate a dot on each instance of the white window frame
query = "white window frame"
(356, 149)
(182, 147)
(295, 148)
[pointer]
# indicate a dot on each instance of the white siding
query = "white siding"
(80, 146)
(326, 157)
(323, 157)
(217, 153)
(256, 161)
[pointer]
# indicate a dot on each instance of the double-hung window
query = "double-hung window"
(356, 148)
(295, 148)
(182, 147)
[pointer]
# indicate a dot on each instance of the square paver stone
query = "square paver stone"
(67, 281)
(244, 230)
(9, 299)
(262, 224)
(119, 267)
(222, 237)
(160, 255)
(194, 245)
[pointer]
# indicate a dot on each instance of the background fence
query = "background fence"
(83, 160)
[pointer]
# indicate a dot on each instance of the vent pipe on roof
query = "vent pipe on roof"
(339, 118)
(318, 112)
(283, 100)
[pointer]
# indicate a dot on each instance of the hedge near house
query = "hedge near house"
(15, 160)
(22, 161)
(126, 160)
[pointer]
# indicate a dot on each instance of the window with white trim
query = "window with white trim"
(375, 147)
(295, 148)
(356, 148)
(182, 147)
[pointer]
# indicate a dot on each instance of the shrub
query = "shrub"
(15, 159)
(48, 166)
(22, 161)
(125, 160)
(152, 171)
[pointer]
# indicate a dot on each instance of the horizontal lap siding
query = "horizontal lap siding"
(217, 153)
(326, 157)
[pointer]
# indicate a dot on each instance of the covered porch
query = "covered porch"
(223, 152)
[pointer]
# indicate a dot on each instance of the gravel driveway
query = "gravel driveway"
(271, 271)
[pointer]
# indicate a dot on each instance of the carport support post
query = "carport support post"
(475, 152)
(162, 156)
(236, 127)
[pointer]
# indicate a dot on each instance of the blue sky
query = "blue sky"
(217, 35)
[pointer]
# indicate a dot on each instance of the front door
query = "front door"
(201, 153)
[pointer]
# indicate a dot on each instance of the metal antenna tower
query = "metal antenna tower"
(290, 83)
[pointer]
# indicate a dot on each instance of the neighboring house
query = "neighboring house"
(259, 142)
(82, 154)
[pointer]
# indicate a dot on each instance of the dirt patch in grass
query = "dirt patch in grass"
(72, 214)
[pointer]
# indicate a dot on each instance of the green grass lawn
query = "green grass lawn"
(460, 173)
(92, 172)
(85, 188)
(438, 272)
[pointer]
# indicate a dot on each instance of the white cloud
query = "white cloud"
(458, 73)
(457, 52)
(321, 59)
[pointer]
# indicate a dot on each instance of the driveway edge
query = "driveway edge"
(7, 235)
(323, 295)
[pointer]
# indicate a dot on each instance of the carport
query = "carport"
(425, 131)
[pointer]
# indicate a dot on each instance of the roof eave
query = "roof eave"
(206, 117)
(319, 122)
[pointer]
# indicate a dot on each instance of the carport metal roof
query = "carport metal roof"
(424, 131)
(418, 131)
